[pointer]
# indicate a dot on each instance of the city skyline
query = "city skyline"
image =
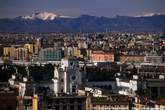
(74, 8)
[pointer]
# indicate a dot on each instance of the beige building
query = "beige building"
(6, 51)
(131, 58)
(30, 48)
(9, 52)
(113, 102)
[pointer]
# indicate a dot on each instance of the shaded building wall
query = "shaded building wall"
(8, 101)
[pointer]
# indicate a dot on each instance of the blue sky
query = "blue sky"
(74, 8)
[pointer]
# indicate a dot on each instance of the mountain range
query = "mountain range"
(44, 22)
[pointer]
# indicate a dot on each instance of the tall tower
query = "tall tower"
(56, 81)
(38, 45)
(71, 75)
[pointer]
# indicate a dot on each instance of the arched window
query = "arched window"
(110, 87)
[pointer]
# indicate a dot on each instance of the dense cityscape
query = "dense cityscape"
(82, 54)
(82, 71)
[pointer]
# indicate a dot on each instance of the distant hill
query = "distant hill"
(49, 22)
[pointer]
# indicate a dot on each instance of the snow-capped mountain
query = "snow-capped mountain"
(50, 22)
(43, 16)
(149, 14)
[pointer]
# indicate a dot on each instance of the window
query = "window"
(64, 107)
(73, 77)
(79, 100)
(73, 88)
(62, 90)
(62, 80)
(79, 107)
(72, 107)
(71, 63)
(57, 108)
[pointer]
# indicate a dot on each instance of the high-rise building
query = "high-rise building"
(6, 51)
(12, 53)
(30, 48)
(9, 52)
(38, 45)
(22, 54)
(50, 54)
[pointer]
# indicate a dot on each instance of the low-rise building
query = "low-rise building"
(65, 103)
(130, 86)
(131, 58)
(100, 56)
(155, 89)
(8, 100)
(112, 102)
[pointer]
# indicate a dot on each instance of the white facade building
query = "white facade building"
(129, 87)
(67, 77)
